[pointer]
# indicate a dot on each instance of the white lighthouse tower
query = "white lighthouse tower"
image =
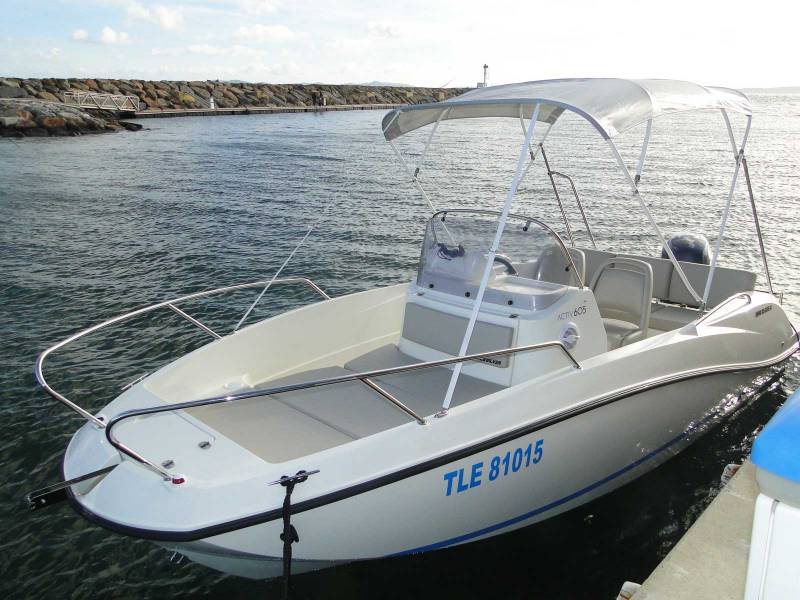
(485, 82)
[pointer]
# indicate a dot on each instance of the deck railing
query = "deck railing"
(169, 304)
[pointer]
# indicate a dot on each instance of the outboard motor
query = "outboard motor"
(688, 247)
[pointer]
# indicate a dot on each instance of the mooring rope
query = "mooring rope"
(289, 535)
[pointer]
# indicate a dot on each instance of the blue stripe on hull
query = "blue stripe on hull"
(528, 515)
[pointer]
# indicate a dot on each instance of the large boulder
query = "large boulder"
(231, 98)
(78, 86)
(51, 122)
(48, 96)
(187, 100)
(12, 91)
(201, 92)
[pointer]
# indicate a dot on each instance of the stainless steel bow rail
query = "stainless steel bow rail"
(365, 377)
(36, 499)
(52, 494)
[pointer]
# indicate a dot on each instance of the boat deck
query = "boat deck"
(285, 426)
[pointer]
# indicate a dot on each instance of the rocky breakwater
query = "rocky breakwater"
(33, 111)
(39, 118)
(161, 95)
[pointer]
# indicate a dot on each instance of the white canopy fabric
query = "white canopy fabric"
(611, 105)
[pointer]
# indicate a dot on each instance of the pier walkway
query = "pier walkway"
(114, 102)
(255, 110)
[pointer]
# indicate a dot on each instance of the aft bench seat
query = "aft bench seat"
(665, 317)
(668, 286)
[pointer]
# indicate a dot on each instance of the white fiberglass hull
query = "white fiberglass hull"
(582, 458)
(511, 459)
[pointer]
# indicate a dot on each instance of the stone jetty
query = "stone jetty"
(26, 117)
(34, 106)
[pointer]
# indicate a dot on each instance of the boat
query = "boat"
(519, 375)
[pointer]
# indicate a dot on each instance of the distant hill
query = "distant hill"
(384, 84)
(773, 90)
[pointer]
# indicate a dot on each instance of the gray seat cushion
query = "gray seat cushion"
(284, 426)
(351, 408)
(423, 390)
(620, 333)
(269, 428)
(667, 318)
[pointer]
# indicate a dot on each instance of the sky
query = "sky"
(431, 43)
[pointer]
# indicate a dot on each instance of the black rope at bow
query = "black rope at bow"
(289, 535)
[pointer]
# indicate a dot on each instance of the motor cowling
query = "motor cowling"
(689, 247)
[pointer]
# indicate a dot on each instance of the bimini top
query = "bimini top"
(611, 105)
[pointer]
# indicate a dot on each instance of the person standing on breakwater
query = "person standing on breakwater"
(318, 98)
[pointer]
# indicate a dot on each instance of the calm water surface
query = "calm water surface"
(95, 226)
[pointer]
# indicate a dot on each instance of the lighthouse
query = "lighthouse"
(485, 82)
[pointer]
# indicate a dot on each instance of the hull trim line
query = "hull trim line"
(367, 486)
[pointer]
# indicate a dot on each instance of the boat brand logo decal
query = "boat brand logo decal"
(764, 310)
(492, 361)
(578, 311)
(511, 462)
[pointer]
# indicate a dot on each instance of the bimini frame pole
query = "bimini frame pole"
(501, 223)
(746, 171)
(413, 174)
(726, 213)
(422, 156)
(635, 191)
(535, 150)
(643, 154)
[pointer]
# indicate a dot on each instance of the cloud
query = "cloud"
(80, 35)
(349, 45)
(206, 49)
(51, 53)
(265, 33)
(258, 7)
(111, 36)
(383, 29)
(163, 16)
(236, 50)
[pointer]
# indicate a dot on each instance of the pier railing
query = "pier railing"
(102, 101)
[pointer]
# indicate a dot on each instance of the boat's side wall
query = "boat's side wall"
(479, 496)
(324, 334)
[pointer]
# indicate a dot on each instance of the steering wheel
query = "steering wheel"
(506, 262)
